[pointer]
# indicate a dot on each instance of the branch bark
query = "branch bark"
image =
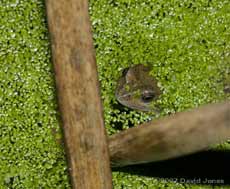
(78, 94)
(173, 136)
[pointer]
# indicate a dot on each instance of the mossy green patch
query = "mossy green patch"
(29, 154)
(186, 43)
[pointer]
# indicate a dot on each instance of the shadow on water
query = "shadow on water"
(213, 166)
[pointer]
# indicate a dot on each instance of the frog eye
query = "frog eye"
(147, 96)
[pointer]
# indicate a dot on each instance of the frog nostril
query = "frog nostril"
(147, 96)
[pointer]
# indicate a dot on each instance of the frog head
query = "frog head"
(137, 89)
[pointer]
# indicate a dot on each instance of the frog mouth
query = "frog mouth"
(123, 98)
(145, 100)
(124, 101)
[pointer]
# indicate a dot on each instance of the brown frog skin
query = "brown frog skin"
(136, 89)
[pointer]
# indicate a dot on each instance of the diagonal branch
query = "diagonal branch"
(173, 136)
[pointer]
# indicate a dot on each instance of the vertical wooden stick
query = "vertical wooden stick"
(78, 93)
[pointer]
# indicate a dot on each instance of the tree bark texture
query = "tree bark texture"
(78, 94)
(177, 135)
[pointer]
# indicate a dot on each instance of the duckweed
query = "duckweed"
(186, 43)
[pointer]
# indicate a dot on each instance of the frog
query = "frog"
(137, 89)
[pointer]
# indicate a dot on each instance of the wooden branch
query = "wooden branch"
(173, 136)
(78, 93)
